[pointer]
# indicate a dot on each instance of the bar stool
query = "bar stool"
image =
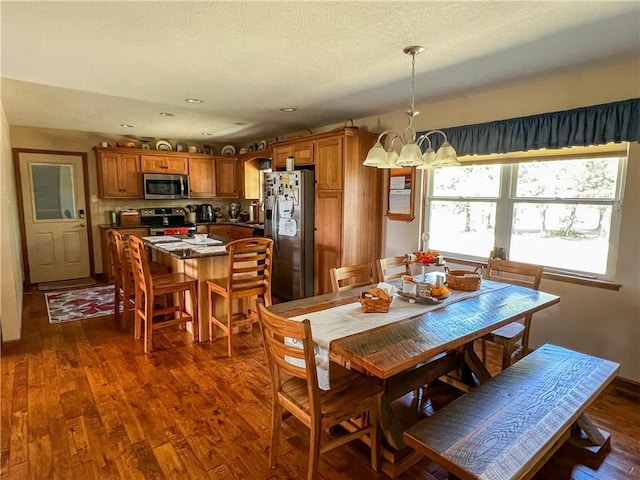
(248, 275)
(148, 288)
(124, 290)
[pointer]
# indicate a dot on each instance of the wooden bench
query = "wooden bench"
(511, 425)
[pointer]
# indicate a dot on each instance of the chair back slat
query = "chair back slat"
(518, 273)
(391, 268)
(346, 278)
(140, 267)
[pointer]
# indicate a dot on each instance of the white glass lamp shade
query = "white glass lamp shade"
(392, 158)
(446, 156)
(429, 156)
(410, 156)
(376, 156)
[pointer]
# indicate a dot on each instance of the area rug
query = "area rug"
(66, 284)
(80, 304)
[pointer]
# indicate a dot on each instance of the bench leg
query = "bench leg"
(589, 442)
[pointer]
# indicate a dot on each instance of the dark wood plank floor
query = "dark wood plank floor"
(81, 401)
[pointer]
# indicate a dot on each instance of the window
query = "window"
(563, 213)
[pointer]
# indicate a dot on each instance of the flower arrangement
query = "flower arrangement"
(428, 257)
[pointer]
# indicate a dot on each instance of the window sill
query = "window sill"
(558, 277)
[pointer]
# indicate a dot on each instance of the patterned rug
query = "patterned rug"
(80, 304)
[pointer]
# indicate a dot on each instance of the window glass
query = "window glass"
(563, 214)
(53, 192)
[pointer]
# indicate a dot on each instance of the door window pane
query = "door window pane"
(53, 191)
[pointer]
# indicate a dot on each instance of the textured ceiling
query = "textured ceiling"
(91, 66)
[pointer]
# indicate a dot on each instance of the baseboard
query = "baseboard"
(626, 387)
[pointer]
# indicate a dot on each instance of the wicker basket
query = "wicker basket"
(377, 302)
(463, 279)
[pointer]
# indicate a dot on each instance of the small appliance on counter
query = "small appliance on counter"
(204, 213)
(234, 212)
(130, 217)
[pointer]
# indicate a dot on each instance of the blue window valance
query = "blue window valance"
(594, 125)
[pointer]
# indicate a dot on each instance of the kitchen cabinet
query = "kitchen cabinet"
(226, 177)
(302, 151)
(153, 163)
(202, 177)
(348, 200)
(119, 175)
(233, 232)
(104, 244)
(250, 174)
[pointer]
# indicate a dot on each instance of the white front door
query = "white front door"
(55, 216)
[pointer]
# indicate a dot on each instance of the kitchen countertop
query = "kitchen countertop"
(255, 226)
(189, 250)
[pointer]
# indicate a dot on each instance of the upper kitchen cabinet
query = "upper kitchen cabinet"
(226, 177)
(161, 163)
(202, 177)
(250, 172)
(300, 149)
(119, 174)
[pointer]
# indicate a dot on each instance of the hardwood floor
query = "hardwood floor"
(81, 401)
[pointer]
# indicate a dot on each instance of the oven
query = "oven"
(166, 221)
(159, 186)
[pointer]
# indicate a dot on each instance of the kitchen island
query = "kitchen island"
(202, 260)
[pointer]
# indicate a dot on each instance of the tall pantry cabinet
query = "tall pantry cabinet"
(348, 200)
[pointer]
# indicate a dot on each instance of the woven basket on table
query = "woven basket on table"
(378, 302)
(468, 281)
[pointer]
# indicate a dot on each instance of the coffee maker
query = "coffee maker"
(204, 213)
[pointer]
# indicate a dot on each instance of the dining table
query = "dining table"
(411, 345)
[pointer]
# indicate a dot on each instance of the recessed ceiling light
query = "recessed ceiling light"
(207, 134)
(288, 109)
(167, 114)
(127, 125)
(193, 100)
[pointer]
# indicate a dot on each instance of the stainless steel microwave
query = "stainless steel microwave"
(159, 186)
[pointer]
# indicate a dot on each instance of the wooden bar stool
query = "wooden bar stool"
(514, 337)
(248, 275)
(148, 288)
(346, 278)
(124, 290)
(294, 380)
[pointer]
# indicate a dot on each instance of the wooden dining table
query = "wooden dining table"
(412, 352)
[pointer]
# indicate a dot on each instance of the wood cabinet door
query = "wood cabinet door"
(202, 177)
(131, 179)
(280, 155)
(152, 164)
(108, 175)
(327, 238)
(328, 160)
(119, 175)
(303, 153)
(226, 177)
(176, 165)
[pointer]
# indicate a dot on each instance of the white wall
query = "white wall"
(10, 249)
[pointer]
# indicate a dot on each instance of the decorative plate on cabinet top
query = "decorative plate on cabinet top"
(163, 145)
(228, 150)
(262, 145)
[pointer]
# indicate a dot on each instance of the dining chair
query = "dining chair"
(353, 398)
(346, 278)
(124, 290)
(390, 268)
(248, 275)
(148, 288)
(514, 337)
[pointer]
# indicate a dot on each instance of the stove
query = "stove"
(166, 221)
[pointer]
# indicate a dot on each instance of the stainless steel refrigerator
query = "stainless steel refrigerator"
(288, 204)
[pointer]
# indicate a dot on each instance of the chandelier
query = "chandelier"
(411, 152)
